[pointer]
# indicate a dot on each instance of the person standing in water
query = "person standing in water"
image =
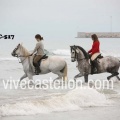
(95, 49)
(39, 50)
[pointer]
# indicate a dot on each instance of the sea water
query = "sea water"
(32, 102)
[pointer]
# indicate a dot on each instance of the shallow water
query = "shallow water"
(35, 104)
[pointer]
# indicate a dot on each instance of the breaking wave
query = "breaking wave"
(73, 100)
(65, 52)
(62, 52)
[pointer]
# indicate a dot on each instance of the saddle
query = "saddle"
(43, 57)
(96, 56)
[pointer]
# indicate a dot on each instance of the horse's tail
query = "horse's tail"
(65, 72)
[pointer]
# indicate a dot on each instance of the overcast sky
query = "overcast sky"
(58, 18)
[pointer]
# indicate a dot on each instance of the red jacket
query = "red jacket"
(95, 48)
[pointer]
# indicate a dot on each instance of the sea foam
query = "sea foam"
(66, 52)
(73, 100)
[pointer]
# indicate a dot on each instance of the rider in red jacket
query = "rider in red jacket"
(95, 49)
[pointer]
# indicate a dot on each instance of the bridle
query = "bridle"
(76, 54)
(16, 55)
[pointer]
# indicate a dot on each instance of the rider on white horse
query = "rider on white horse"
(54, 64)
(39, 50)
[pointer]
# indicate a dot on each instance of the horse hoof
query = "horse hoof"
(75, 79)
(108, 78)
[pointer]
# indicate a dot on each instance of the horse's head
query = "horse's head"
(16, 51)
(73, 53)
(78, 53)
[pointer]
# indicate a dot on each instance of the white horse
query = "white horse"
(53, 64)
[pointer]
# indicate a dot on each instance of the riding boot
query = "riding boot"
(37, 69)
(93, 67)
(96, 66)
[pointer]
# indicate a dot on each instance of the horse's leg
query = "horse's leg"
(77, 76)
(56, 79)
(30, 76)
(60, 75)
(24, 76)
(113, 74)
(118, 77)
(86, 78)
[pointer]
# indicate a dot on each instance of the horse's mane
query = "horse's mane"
(84, 52)
(24, 51)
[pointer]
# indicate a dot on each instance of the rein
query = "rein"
(76, 56)
(82, 59)
(22, 60)
(79, 59)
